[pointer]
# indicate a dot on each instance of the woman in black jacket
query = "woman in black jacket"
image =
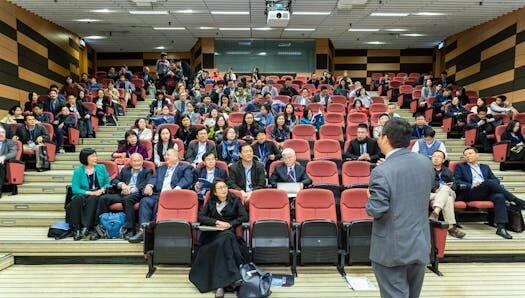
(248, 128)
(220, 253)
(186, 132)
(517, 142)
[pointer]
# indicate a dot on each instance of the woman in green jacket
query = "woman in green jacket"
(88, 185)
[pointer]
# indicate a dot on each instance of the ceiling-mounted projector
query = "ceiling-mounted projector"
(278, 18)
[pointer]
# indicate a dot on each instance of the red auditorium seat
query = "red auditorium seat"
(332, 132)
(334, 118)
(351, 132)
(15, 170)
(357, 225)
(520, 117)
(338, 99)
(284, 98)
(301, 148)
(51, 147)
(473, 204)
(405, 95)
(315, 107)
(324, 175)
(310, 87)
(235, 119)
(111, 167)
(335, 107)
(378, 99)
(356, 173)
(172, 127)
(377, 108)
(304, 132)
(394, 90)
(274, 165)
(172, 241)
(328, 150)
(357, 118)
(317, 237)
(92, 108)
(269, 228)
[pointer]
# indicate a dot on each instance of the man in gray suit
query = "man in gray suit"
(7, 152)
(398, 202)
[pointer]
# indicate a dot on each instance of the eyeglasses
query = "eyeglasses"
(219, 187)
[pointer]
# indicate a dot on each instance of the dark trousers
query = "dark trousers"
(81, 212)
(127, 203)
(148, 208)
(492, 191)
(60, 133)
(481, 138)
(2, 176)
(399, 281)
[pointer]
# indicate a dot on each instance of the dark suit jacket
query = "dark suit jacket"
(23, 133)
(8, 149)
(125, 177)
(153, 105)
(270, 148)
(463, 178)
(204, 111)
(218, 173)
(56, 108)
(317, 98)
(80, 108)
(233, 213)
(445, 174)
(182, 177)
(8, 130)
(354, 150)
(290, 91)
(237, 179)
(281, 175)
(193, 149)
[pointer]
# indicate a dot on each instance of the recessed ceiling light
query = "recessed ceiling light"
(146, 12)
(362, 30)
(389, 14)
(311, 13)
(185, 11)
(105, 10)
(375, 42)
(262, 29)
(413, 34)
(160, 48)
(207, 28)
(94, 37)
(235, 29)
(169, 28)
(429, 14)
(87, 20)
(299, 29)
(396, 30)
(231, 12)
(261, 54)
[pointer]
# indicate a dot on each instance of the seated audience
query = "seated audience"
(255, 105)
(485, 125)
(476, 182)
(280, 131)
(462, 95)
(323, 97)
(39, 114)
(327, 78)
(211, 117)
(226, 105)
(103, 103)
(363, 148)
(63, 121)
(309, 118)
(443, 79)
(53, 103)
(391, 110)
(290, 171)
(220, 254)
(129, 186)
(89, 183)
(443, 194)
(428, 144)
(426, 92)
(363, 96)
(516, 142)
(32, 136)
(143, 132)
(265, 116)
(70, 87)
(14, 115)
(304, 98)
(457, 112)
(247, 174)
(195, 118)
(83, 116)
(381, 121)
(180, 104)
(32, 101)
(186, 132)
(8, 151)
(248, 127)
(441, 100)
(270, 88)
(130, 146)
(342, 88)
(241, 96)
(480, 103)
(288, 89)
(172, 175)
(159, 103)
(314, 80)
(419, 127)
(385, 82)
(501, 105)
(216, 132)
(229, 148)
(165, 117)
(265, 150)
(165, 142)
(210, 172)
(358, 107)
(93, 85)
(197, 150)
(206, 106)
(289, 115)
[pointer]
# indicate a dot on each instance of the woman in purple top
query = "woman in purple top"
(131, 146)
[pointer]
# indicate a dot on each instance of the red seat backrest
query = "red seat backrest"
(301, 148)
(356, 172)
(172, 127)
(353, 202)
(452, 165)
(322, 172)
(284, 98)
(499, 131)
(274, 165)
(304, 132)
(331, 131)
(234, 192)
(338, 99)
(376, 76)
(520, 117)
(50, 130)
(313, 204)
(315, 107)
(19, 150)
(178, 204)
(335, 118)
(327, 149)
(377, 108)
(405, 89)
(357, 118)
(149, 148)
(351, 131)
(271, 204)
(235, 118)
(310, 87)
(218, 163)
(111, 167)
(337, 107)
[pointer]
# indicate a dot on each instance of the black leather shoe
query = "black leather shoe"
(503, 233)
(77, 235)
(137, 238)
(129, 233)
(84, 233)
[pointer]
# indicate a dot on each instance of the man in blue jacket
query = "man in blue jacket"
(173, 175)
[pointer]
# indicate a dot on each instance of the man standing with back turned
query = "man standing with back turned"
(398, 202)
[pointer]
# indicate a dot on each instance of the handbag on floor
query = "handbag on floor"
(516, 223)
(256, 283)
(42, 162)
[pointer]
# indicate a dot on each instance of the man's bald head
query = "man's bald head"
(136, 160)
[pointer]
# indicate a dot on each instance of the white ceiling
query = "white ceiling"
(134, 33)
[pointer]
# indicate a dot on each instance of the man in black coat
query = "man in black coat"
(363, 148)
(84, 117)
(485, 125)
(288, 89)
(129, 186)
(32, 136)
(197, 150)
(290, 172)
(209, 172)
(265, 150)
(7, 152)
(247, 174)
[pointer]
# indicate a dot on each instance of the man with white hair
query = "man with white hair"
(290, 171)
(7, 152)
(173, 175)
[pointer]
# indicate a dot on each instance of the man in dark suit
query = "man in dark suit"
(265, 150)
(476, 181)
(485, 125)
(363, 148)
(32, 136)
(290, 171)
(210, 172)
(8, 130)
(400, 244)
(323, 97)
(197, 150)
(288, 89)
(247, 174)
(206, 106)
(53, 104)
(173, 175)
(129, 186)
(7, 151)
(84, 117)
(418, 128)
